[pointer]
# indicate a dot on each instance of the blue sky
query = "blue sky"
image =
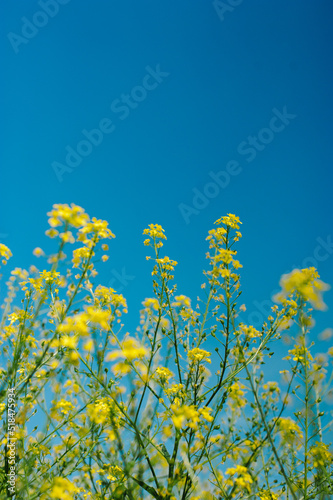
(184, 94)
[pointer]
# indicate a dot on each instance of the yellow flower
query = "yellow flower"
(62, 213)
(267, 495)
(103, 411)
(320, 456)
(272, 391)
(241, 479)
(113, 473)
(175, 389)
(75, 324)
(80, 255)
(89, 345)
(249, 331)
(63, 488)
(197, 355)
(300, 354)
(62, 406)
(67, 341)
(38, 252)
(167, 264)
(185, 413)
(5, 253)
(163, 374)
(205, 414)
(98, 227)
(150, 304)
(44, 281)
(67, 237)
(107, 296)
(290, 432)
(52, 233)
(230, 221)
(155, 231)
(306, 284)
(224, 255)
(94, 315)
(236, 399)
(130, 350)
(98, 411)
(181, 300)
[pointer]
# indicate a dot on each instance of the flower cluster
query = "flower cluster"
(156, 233)
(306, 285)
(5, 253)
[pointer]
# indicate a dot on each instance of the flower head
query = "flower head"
(306, 284)
(5, 253)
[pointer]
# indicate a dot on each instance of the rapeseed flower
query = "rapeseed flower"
(305, 283)
(196, 355)
(71, 215)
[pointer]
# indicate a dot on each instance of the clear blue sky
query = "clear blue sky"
(186, 96)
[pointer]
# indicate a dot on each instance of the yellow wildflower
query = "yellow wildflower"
(185, 413)
(230, 221)
(267, 495)
(150, 304)
(319, 454)
(38, 252)
(98, 227)
(5, 253)
(181, 300)
(240, 478)
(155, 231)
(98, 411)
(198, 355)
(291, 434)
(130, 350)
(163, 374)
(62, 213)
(63, 488)
(306, 284)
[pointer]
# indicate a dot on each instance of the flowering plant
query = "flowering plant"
(181, 409)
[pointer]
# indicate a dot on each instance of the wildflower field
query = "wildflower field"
(91, 411)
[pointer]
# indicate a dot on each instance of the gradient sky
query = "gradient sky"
(184, 94)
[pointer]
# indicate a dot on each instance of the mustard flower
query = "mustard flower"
(130, 350)
(98, 227)
(38, 252)
(155, 231)
(181, 300)
(319, 455)
(291, 434)
(74, 215)
(229, 220)
(240, 478)
(163, 374)
(5, 253)
(196, 355)
(62, 488)
(306, 284)
(267, 495)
